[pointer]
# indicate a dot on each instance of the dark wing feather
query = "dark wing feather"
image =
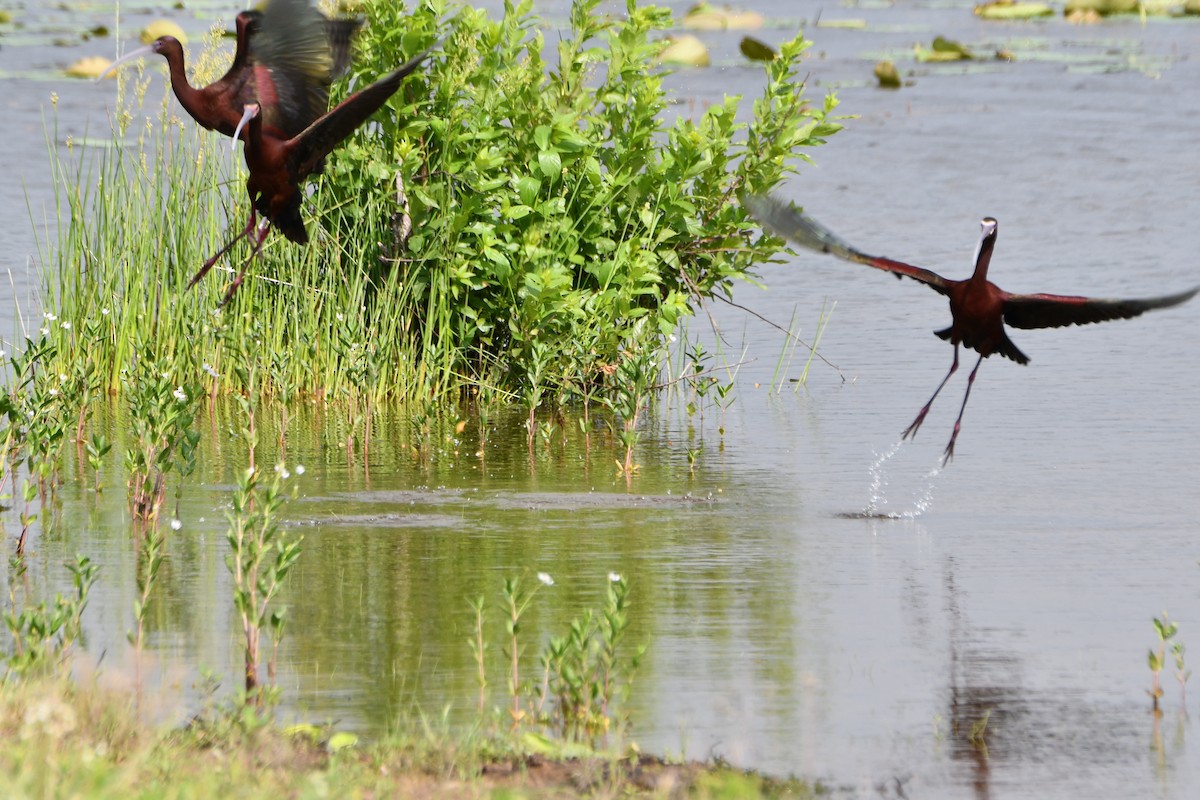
(794, 226)
(341, 33)
(292, 44)
(319, 139)
(1055, 311)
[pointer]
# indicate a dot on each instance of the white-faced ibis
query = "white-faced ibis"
(286, 56)
(979, 308)
(278, 166)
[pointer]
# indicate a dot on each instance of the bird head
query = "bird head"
(987, 241)
(162, 45)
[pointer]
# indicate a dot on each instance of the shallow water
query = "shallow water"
(792, 625)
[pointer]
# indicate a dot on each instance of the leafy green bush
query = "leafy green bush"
(505, 223)
(552, 206)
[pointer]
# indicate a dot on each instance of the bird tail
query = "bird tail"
(791, 223)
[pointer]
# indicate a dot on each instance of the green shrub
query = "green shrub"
(559, 221)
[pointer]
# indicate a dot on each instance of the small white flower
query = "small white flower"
(614, 577)
(209, 369)
(62, 377)
(180, 394)
(45, 331)
(66, 326)
(176, 524)
(54, 392)
(104, 311)
(2, 354)
(299, 469)
(545, 578)
(49, 316)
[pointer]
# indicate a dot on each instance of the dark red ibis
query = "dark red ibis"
(278, 166)
(979, 308)
(286, 56)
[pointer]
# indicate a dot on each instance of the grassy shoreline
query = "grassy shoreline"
(73, 739)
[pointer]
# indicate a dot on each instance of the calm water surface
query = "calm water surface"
(1015, 587)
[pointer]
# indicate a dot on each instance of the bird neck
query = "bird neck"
(186, 94)
(983, 256)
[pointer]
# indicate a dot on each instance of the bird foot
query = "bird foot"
(912, 429)
(948, 456)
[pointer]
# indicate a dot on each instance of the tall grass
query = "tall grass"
(507, 225)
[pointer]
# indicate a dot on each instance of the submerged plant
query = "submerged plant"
(585, 673)
(1166, 630)
(261, 555)
(43, 634)
(162, 410)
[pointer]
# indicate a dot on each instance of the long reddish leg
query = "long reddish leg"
(958, 422)
(217, 257)
(259, 237)
(911, 430)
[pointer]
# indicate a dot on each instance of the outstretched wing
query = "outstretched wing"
(318, 139)
(291, 44)
(790, 223)
(1055, 310)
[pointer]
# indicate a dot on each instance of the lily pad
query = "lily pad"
(887, 75)
(341, 740)
(943, 49)
(755, 50)
(686, 50)
(852, 23)
(1012, 9)
(1101, 7)
(303, 729)
(90, 67)
(705, 17)
(161, 28)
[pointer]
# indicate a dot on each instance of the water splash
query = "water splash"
(879, 482)
(877, 504)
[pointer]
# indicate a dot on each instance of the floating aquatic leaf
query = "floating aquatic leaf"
(1012, 9)
(160, 28)
(887, 75)
(853, 23)
(943, 49)
(686, 50)
(89, 67)
(1163, 8)
(303, 729)
(341, 740)
(755, 50)
(1101, 7)
(705, 17)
